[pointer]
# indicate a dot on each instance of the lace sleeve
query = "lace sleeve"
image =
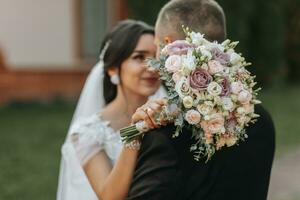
(88, 138)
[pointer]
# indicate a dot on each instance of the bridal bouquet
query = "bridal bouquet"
(211, 90)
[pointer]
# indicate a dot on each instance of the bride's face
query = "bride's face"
(135, 75)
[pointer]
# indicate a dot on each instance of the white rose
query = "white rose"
(182, 87)
(227, 103)
(188, 102)
(235, 58)
(236, 87)
(173, 63)
(192, 117)
(214, 89)
(244, 97)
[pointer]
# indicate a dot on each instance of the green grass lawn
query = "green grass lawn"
(32, 134)
(284, 105)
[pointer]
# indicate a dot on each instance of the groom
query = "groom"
(166, 169)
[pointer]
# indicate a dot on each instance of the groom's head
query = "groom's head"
(205, 16)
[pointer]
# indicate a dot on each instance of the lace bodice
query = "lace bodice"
(92, 135)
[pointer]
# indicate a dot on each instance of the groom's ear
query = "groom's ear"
(167, 40)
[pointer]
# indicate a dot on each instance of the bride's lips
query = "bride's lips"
(150, 80)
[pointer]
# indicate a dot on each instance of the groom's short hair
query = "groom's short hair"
(205, 16)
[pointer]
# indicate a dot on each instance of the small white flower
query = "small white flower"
(188, 102)
(216, 45)
(198, 38)
(188, 62)
(205, 52)
(235, 59)
(227, 103)
(226, 43)
(242, 120)
(214, 89)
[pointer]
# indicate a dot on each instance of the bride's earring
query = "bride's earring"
(115, 79)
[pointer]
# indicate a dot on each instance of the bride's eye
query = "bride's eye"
(139, 57)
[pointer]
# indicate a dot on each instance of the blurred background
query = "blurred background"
(48, 47)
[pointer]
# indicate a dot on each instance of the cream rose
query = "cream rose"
(205, 108)
(214, 89)
(192, 117)
(188, 102)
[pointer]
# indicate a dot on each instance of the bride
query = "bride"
(95, 164)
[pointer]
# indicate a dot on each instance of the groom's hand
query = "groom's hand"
(149, 112)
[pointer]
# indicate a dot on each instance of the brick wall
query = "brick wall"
(26, 85)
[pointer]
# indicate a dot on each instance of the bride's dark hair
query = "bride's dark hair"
(122, 40)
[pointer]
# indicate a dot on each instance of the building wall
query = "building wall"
(38, 33)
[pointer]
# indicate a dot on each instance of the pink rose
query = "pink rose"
(214, 67)
(173, 63)
(220, 56)
(178, 47)
(214, 125)
(225, 84)
(192, 117)
(236, 87)
(244, 97)
(199, 79)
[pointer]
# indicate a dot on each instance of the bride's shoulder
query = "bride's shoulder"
(90, 125)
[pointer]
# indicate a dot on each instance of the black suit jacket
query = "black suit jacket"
(166, 169)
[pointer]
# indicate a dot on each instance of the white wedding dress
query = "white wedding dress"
(87, 137)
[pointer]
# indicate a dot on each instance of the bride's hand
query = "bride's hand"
(148, 113)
